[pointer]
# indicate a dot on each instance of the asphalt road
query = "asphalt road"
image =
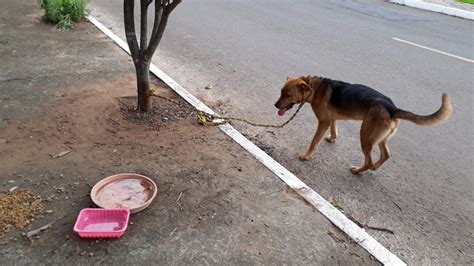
(246, 49)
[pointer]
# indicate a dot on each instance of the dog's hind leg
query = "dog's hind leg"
(384, 151)
(368, 164)
(322, 128)
(333, 135)
(375, 127)
(384, 154)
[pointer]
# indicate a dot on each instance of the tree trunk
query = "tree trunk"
(143, 54)
(143, 86)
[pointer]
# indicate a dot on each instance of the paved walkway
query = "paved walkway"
(451, 3)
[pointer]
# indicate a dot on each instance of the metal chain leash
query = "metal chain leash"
(207, 119)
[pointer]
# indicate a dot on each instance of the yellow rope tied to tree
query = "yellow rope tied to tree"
(207, 119)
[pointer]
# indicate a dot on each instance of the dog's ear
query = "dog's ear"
(290, 78)
(304, 87)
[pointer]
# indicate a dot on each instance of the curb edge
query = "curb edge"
(456, 12)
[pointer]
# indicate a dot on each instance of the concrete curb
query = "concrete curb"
(358, 234)
(436, 8)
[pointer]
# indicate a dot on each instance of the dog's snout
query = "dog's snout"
(276, 105)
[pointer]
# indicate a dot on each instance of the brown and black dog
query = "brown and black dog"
(336, 100)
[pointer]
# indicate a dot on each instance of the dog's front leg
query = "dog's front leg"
(322, 128)
(333, 135)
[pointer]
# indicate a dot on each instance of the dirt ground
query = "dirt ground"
(105, 136)
(73, 91)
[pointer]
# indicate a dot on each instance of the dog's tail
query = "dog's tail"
(437, 117)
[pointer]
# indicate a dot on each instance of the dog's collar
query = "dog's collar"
(313, 91)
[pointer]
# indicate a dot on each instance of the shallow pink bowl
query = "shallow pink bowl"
(102, 223)
(108, 181)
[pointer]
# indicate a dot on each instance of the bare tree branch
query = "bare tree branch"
(156, 39)
(128, 11)
(159, 8)
(171, 6)
(159, 25)
(143, 24)
(163, 9)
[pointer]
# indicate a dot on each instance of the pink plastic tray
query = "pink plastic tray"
(102, 223)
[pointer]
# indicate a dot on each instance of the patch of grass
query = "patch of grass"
(65, 23)
(64, 13)
(467, 1)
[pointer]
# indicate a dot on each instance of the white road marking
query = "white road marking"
(434, 50)
(358, 234)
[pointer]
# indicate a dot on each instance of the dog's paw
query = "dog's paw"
(330, 140)
(355, 170)
(376, 166)
(304, 157)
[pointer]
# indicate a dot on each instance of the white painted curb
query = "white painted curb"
(436, 8)
(324, 207)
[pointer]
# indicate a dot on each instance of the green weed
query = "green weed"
(64, 12)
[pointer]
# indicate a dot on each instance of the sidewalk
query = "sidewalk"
(452, 3)
(73, 91)
(448, 7)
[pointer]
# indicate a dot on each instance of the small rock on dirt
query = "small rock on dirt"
(39, 230)
(61, 154)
